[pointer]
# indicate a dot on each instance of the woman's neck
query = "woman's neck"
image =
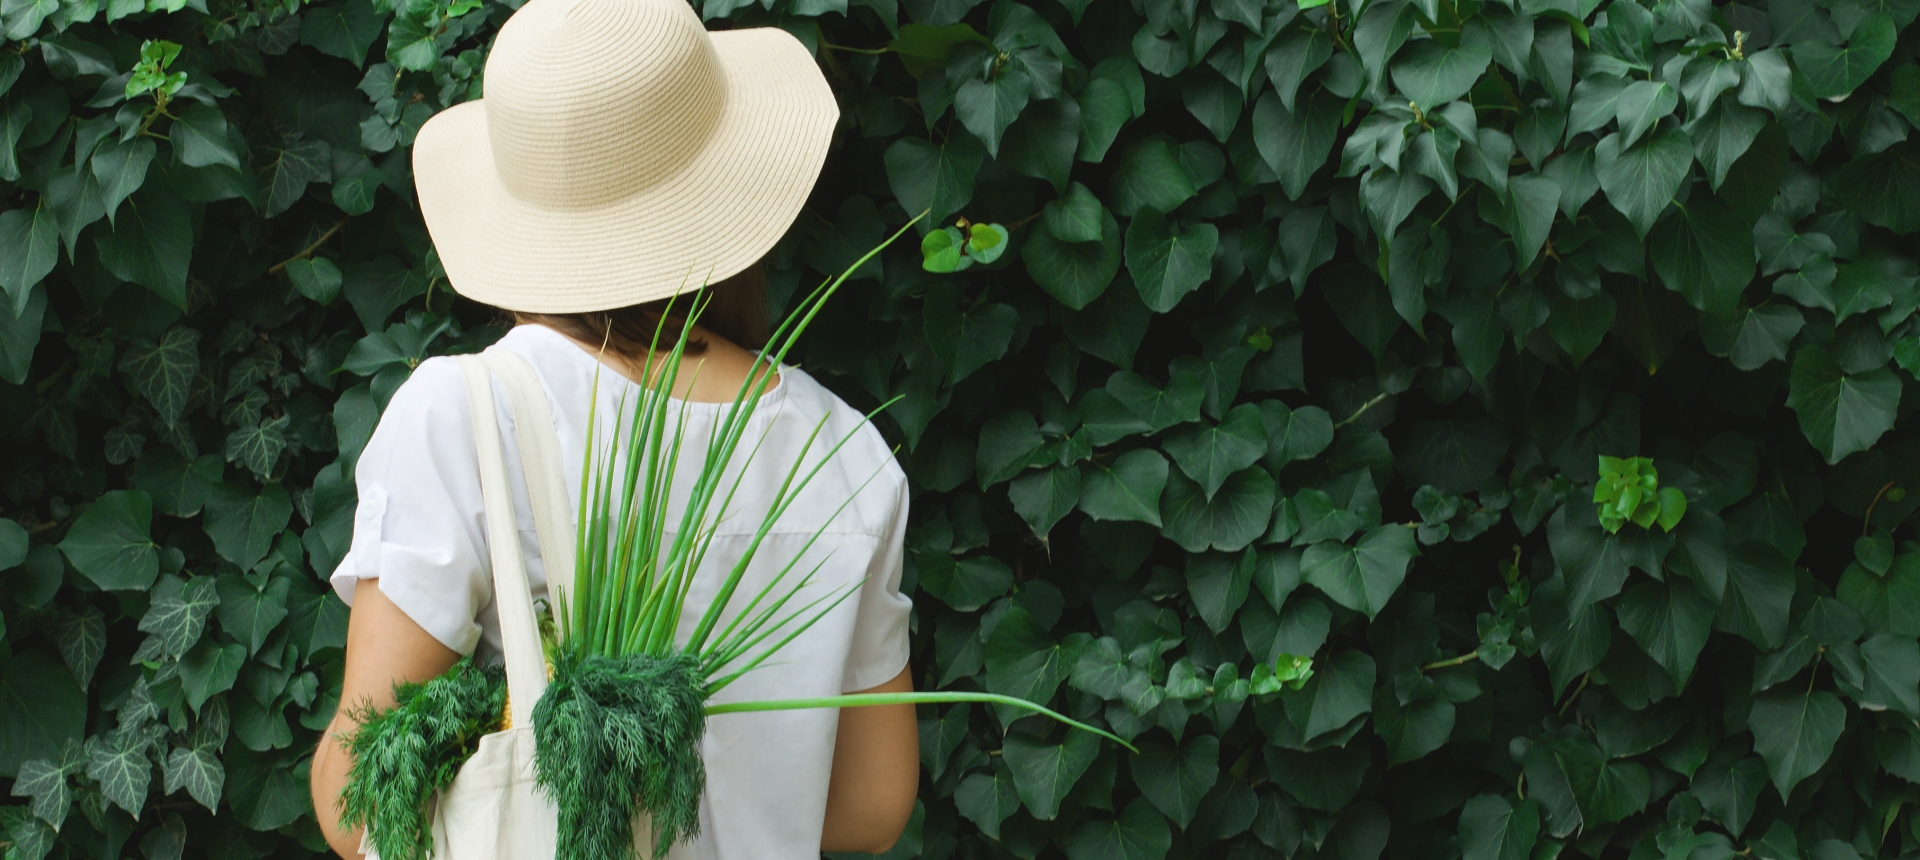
(713, 376)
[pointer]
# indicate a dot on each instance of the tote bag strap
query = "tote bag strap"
(539, 441)
(519, 633)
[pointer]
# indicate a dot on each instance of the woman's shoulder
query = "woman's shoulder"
(811, 401)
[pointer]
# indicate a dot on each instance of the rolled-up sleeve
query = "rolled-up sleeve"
(880, 645)
(419, 528)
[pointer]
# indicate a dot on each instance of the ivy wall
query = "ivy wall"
(1538, 369)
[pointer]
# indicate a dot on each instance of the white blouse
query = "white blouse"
(420, 530)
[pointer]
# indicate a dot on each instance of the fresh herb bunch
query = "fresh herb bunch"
(402, 756)
(619, 734)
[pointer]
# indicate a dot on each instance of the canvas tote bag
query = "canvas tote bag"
(494, 809)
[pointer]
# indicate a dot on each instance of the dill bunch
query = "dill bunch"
(619, 733)
(403, 755)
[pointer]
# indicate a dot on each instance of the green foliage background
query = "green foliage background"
(1313, 328)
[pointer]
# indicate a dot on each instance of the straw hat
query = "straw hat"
(622, 154)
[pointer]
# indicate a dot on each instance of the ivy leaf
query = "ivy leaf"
(120, 169)
(1174, 779)
(1759, 594)
(118, 761)
(82, 637)
(1452, 456)
(1491, 828)
(109, 543)
(200, 136)
(1706, 254)
(243, 525)
(346, 30)
(986, 799)
(1150, 175)
(1209, 454)
(1751, 337)
(1007, 442)
(317, 278)
(1219, 585)
(966, 340)
(1337, 692)
(1105, 107)
(1044, 773)
(1722, 136)
(153, 246)
(41, 709)
(1140, 833)
(1229, 521)
(1076, 216)
(1042, 142)
(1177, 403)
(300, 164)
(1022, 662)
(29, 246)
(1832, 72)
(209, 669)
(1297, 53)
(1795, 731)
(1841, 413)
(1640, 181)
(1640, 106)
(1042, 498)
(262, 790)
(1595, 561)
(1295, 142)
(1294, 434)
(1073, 272)
(47, 784)
(179, 611)
(1128, 489)
(986, 107)
(1431, 74)
(1883, 188)
(178, 487)
(250, 608)
(1670, 620)
(1362, 577)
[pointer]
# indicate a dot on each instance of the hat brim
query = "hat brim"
(723, 210)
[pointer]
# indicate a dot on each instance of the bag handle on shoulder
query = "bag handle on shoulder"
(539, 440)
(519, 632)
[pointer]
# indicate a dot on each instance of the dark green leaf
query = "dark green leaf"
(1492, 828)
(1074, 272)
(1362, 577)
(151, 245)
(1705, 253)
(1640, 181)
(41, 710)
(1832, 71)
(1209, 454)
(110, 542)
(1795, 731)
(1432, 75)
(1127, 489)
(243, 525)
(1175, 779)
(1841, 413)
(1230, 520)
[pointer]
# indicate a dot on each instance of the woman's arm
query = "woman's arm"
(384, 647)
(876, 774)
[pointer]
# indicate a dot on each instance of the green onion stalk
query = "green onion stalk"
(617, 733)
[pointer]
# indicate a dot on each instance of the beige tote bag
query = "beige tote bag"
(495, 810)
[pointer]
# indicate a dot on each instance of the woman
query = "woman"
(622, 156)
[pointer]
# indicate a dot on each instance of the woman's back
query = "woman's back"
(420, 531)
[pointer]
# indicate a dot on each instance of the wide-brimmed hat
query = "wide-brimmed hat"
(622, 154)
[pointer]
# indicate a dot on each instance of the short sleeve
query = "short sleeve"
(879, 647)
(420, 525)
